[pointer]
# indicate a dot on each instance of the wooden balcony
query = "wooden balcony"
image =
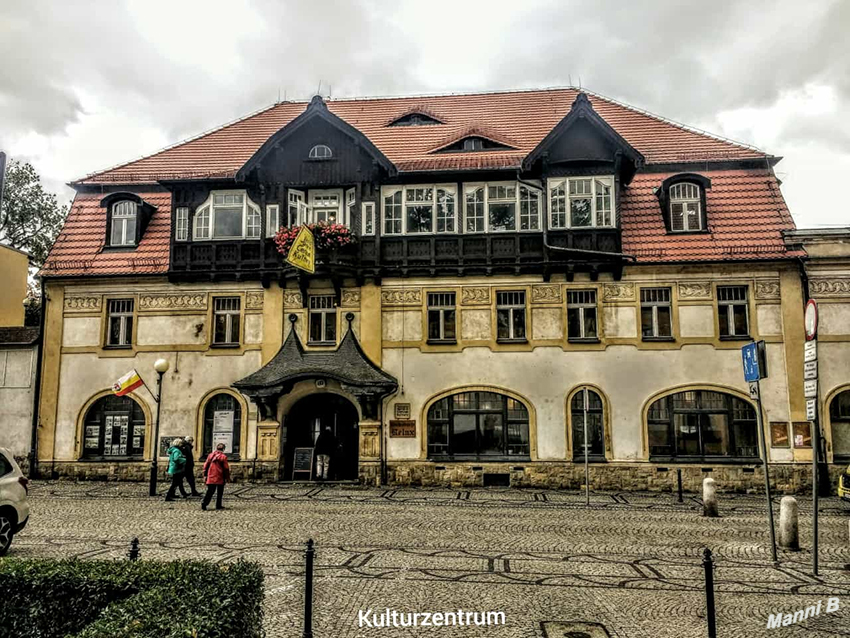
(566, 251)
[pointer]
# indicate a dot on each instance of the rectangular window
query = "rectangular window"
(501, 207)
(226, 319)
(442, 322)
(656, 313)
(445, 210)
(392, 213)
(529, 209)
(296, 210)
(581, 202)
(732, 311)
(120, 320)
(123, 224)
(227, 214)
(419, 209)
(272, 219)
(325, 206)
(581, 315)
(322, 319)
(181, 226)
(202, 223)
(350, 201)
(475, 210)
(510, 315)
(367, 210)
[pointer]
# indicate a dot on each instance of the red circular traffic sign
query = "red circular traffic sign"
(811, 320)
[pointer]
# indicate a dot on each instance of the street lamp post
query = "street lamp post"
(161, 367)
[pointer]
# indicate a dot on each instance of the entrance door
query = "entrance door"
(308, 418)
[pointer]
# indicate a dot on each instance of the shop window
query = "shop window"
(478, 425)
(222, 424)
(114, 428)
(586, 414)
(839, 418)
(702, 424)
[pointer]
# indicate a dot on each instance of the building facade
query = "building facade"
(506, 284)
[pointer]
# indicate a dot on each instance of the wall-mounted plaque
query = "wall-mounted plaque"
(403, 429)
(402, 411)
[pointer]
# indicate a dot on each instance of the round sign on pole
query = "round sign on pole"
(811, 320)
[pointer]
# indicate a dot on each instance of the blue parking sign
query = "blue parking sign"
(749, 353)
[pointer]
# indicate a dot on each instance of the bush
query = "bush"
(145, 599)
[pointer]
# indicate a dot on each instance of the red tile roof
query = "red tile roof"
(521, 116)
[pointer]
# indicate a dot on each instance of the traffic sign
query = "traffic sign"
(811, 320)
(749, 353)
(811, 351)
(811, 409)
(754, 390)
(810, 389)
(810, 370)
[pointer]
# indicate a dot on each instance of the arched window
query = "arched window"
(685, 214)
(321, 151)
(223, 424)
(114, 428)
(478, 425)
(839, 418)
(696, 424)
(123, 223)
(586, 410)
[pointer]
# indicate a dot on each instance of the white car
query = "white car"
(14, 508)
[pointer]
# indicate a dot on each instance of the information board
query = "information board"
(302, 462)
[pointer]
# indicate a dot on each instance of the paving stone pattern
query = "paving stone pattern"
(630, 561)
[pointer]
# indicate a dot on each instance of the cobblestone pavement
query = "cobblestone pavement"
(631, 561)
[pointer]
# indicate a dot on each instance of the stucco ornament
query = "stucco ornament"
(173, 302)
(401, 297)
(254, 300)
(695, 290)
(767, 289)
(350, 298)
(472, 296)
(546, 294)
(830, 287)
(619, 292)
(83, 303)
(292, 299)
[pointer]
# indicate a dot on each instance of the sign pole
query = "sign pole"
(586, 465)
(815, 446)
(811, 388)
(766, 474)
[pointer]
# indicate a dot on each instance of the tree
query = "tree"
(30, 217)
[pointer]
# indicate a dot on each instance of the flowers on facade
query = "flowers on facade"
(328, 236)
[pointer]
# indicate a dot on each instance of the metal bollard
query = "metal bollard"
(708, 566)
(789, 531)
(709, 498)
(134, 552)
(679, 481)
(308, 591)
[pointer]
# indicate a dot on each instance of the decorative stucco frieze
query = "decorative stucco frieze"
(475, 296)
(829, 286)
(401, 297)
(254, 301)
(695, 290)
(768, 289)
(619, 292)
(350, 298)
(193, 301)
(546, 293)
(292, 299)
(86, 303)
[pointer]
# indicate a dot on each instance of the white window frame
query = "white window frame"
(511, 307)
(390, 191)
(519, 187)
(325, 306)
(654, 304)
(677, 195)
(583, 307)
(121, 214)
(181, 224)
(320, 152)
(228, 313)
(208, 208)
(350, 203)
(315, 197)
(727, 305)
(438, 302)
(552, 184)
(272, 219)
(126, 307)
(367, 214)
(296, 199)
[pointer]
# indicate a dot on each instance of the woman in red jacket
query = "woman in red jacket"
(216, 474)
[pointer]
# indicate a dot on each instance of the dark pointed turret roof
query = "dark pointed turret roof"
(348, 364)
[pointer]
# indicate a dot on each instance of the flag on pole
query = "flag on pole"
(302, 253)
(127, 383)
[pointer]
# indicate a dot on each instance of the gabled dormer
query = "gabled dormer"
(475, 138)
(416, 116)
(127, 218)
(683, 205)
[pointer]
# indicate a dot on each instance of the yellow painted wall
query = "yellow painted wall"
(14, 268)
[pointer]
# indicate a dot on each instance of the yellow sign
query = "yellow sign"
(302, 253)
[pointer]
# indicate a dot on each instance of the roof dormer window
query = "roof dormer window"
(123, 223)
(415, 119)
(473, 143)
(685, 207)
(321, 152)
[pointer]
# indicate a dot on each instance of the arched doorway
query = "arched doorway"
(306, 420)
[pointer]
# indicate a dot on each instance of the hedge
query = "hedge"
(117, 599)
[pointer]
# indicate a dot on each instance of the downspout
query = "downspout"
(33, 469)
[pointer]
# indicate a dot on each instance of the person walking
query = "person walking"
(176, 467)
(216, 474)
(187, 449)
(325, 448)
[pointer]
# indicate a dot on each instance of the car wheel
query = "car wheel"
(5, 534)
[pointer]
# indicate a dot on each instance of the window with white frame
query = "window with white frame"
(322, 319)
(124, 220)
(510, 315)
(181, 226)
(321, 152)
(732, 311)
(227, 315)
(367, 211)
(581, 315)
(685, 205)
(419, 209)
(656, 313)
(228, 215)
(120, 323)
(581, 202)
(500, 207)
(350, 200)
(442, 322)
(325, 206)
(272, 219)
(296, 208)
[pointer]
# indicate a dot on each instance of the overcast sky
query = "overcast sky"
(85, 85)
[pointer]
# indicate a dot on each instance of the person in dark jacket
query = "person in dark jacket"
(189, 468)
(325, 448)
(176, 467)
(216, 474)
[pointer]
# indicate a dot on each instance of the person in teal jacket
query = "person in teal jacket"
(176, 469)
